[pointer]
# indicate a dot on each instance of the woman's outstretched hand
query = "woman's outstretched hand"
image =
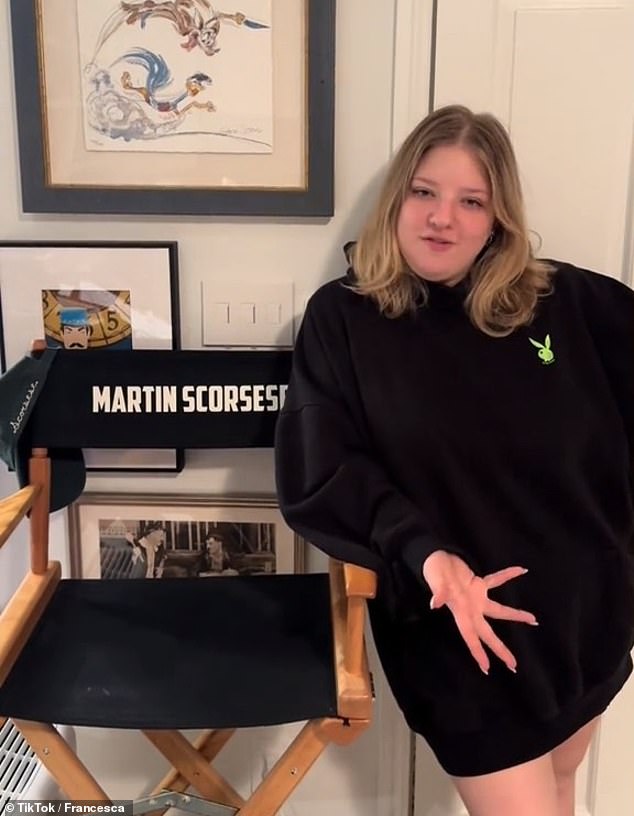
(454, 585)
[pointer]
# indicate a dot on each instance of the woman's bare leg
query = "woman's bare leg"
(523, 790)
(566, 758)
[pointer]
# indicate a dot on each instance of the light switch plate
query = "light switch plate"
(247, 314)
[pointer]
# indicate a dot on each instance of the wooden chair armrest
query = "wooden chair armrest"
(360, 582)
(21, 614)
(349, 588)
(14, 508)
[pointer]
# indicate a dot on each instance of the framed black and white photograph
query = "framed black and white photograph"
(175, 107)
(179, 536)
(83, 296)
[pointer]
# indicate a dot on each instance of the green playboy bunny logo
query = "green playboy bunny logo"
(545, 354)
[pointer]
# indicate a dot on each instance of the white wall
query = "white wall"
(368, 777)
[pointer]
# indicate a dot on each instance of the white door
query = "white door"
(560, 75)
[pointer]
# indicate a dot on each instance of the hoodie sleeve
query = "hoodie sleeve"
(331, 488)
(611, 307)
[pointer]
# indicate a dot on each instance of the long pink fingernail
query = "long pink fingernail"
(485, 671)
(431, 603)
(511, 668)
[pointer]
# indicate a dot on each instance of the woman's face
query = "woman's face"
(447, 215)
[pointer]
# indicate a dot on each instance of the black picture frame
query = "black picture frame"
(313, 198)
(29, 267)
(99, 547)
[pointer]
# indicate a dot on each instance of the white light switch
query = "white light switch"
(219, 313)
(243, 313)
(273, 313)
(247, 313)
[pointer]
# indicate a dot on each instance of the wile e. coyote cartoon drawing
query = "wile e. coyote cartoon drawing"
(196, 20)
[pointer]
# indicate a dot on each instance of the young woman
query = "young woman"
(459, 419)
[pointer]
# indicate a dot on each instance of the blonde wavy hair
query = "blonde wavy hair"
(506, 279)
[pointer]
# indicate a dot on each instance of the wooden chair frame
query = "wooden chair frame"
(350, 587)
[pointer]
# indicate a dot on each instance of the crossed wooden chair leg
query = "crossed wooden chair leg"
(61, 761)
(191, 768)
(208, 744)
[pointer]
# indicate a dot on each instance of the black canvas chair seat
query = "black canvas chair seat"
(178, 653)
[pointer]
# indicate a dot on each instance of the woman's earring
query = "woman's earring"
(490, 239)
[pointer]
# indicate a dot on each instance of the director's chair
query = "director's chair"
(171, 654)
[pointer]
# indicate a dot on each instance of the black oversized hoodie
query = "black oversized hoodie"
(402, 436)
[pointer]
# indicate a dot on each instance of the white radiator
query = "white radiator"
(22, 775)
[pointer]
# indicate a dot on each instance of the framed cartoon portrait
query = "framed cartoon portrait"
(85, 296)
(179, 536)
(177, 106)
